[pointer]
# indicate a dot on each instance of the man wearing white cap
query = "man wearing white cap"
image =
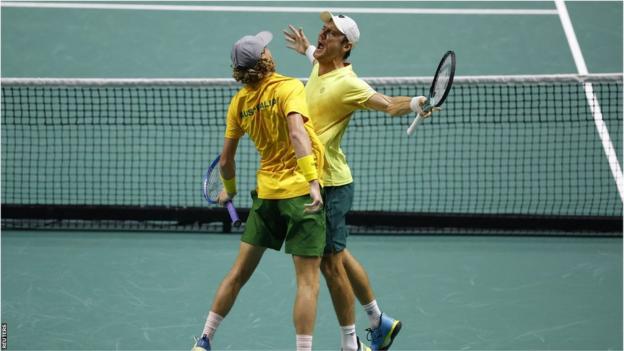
(287, 204)
(334, 93)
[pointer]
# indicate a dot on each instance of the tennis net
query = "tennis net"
(505, 152)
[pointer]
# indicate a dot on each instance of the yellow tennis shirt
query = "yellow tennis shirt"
(261, 113)
(332, 99)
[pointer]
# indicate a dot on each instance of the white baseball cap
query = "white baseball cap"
(346, 25)
(247, 51)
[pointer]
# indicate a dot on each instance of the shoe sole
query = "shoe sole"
(395, 332)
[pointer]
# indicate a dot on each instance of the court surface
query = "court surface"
(141, 291)
(138, 291)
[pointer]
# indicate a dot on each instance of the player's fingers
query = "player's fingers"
(288, 35)
(420, 111)
(224, 197)
(313, 207)
(313, 204)
(294, 30)
(430, 112)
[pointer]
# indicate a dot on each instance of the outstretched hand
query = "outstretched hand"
(296, 39)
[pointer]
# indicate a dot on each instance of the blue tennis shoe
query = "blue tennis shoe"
(202, 344)
(382, 337)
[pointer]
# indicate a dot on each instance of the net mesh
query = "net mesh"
(501, 145)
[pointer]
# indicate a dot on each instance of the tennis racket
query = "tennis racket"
(211, 188)
(440, 88)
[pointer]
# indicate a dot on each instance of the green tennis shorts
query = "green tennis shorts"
(273, 222)
(338, 201)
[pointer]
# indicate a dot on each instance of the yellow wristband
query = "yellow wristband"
(229, 185)
(307, 165)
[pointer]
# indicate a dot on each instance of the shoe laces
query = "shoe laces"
(372, 334)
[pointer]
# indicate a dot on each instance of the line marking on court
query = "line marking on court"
(281, 9)
(592, 100)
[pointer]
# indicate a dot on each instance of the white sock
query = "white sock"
(304, 342)
(349, 339)
(373, 312)
(212, 323)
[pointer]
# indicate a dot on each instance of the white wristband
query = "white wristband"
(310, 53)
(415, 106)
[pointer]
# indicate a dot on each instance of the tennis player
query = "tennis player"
(287, 203)
(334, 93)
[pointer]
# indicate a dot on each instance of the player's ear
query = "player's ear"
(346, 46)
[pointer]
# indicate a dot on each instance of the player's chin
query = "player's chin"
(319, 53)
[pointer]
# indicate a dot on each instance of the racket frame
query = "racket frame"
(427, 107)
(236, 222)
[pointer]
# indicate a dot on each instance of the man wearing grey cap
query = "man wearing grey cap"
(334, 93)
(287, 205)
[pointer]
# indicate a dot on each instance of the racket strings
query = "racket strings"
(441, 82)
(212, 185)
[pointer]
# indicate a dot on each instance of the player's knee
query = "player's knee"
(330, 266)
(308, 284)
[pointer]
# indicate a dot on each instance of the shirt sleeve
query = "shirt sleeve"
(233, 128)
(357, 92)
(293, 99)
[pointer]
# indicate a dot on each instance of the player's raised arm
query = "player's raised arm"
(296, 40)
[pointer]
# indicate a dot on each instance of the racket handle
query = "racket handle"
(416, 122)
(236, 222)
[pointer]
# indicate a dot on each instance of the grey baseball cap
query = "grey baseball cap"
(247, 50)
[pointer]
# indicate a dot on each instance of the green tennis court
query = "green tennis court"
(139, 286)
(140, 291)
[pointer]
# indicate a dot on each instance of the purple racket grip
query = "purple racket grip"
(236, 222)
